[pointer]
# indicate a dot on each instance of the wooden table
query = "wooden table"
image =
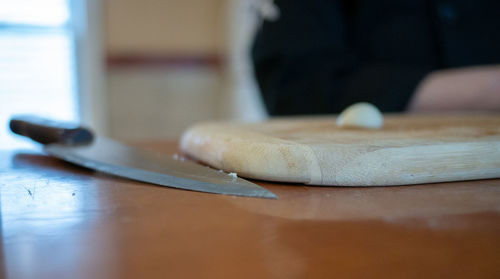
(62, 221)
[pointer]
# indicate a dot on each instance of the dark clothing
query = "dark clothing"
(320, 56)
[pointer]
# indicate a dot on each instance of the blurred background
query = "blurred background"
(132, 70)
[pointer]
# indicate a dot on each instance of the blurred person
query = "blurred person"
(320, 56)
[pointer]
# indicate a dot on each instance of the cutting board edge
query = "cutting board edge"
(226, 154)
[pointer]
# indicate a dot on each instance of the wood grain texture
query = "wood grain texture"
(409, 149)
(62, 221)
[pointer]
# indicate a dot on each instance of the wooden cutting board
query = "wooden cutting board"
(407, 150)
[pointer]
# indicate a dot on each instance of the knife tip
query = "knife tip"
(261, 193)
(268, 195)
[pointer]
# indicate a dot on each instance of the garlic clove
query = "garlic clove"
(364, 115)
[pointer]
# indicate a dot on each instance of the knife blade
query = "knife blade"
(78, 145)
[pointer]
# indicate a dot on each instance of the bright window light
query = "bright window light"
(37, 65)
(34, 12)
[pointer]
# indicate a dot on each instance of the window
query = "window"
(37, 63)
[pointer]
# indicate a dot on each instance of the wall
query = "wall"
(173, 63)
(166, 26)
(165, 65)
(157, 103)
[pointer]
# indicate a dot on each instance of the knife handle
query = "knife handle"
(47, 131)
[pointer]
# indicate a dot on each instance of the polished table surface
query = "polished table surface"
(62, 221)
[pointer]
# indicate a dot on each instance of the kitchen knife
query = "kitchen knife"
(78, 145)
